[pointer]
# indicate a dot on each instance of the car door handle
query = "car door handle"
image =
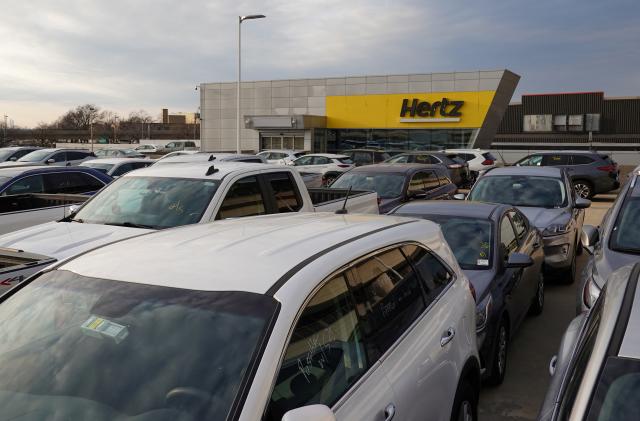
(447, 336)
(389, 412)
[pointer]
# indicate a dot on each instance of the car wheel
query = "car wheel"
(538, 300)
(501, 347)
(583, 189)
(465, 407)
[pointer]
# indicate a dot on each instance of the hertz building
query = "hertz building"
(415, 111)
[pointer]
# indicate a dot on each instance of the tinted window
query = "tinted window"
(399, 159)
(362, 158)
(519, 222)
(518, 190)
(425, 159)
(305, 160)
(385, 184)
(554, 160)
(381, 156)
(443, 179)
(581, 159)
(508, 241)
(533, 160)
(434, 275)
(285, 192)
(345, 161)
(320, 160)
(35, 156)
(618, 391)
(122, 169)
(32, 184)
(21, 153)
(326, 354)
(625, 235)
(489, 155)
(59, 157)
(243, 199)
(388, 297)
(72, 156)
(71, 182)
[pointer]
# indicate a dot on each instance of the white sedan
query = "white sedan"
(329, 165)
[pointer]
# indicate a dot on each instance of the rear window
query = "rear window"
(581, 160)
(345, 160)
(299, 154)
(489, 155)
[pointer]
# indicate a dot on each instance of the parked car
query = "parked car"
(115, 167)
(596, 373)
(335, 315)
(119, 153)
(180, 145)
(458, 168)
(500, 253)
(35, 195)
(168, 196)
(591, 172)
(281, 156)
(211, 157)
(615, 243)
(15, 152)
(398, 183)
(546, 197)
(329, 165)
(147, 148)
(176, 153)
(56, 157)
(479, 160)
(366, 156)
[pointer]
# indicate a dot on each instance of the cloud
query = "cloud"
(125, 55)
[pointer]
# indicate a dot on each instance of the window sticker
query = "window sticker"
(103, 328)
(482, 262)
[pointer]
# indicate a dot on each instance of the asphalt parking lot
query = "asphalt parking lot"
(537, 340)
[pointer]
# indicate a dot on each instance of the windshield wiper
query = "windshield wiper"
(130, 225)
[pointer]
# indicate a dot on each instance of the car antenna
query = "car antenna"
(212, 158)
(212, 170)
(343, 210)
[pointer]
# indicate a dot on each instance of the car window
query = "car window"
(388, 299)
(31, 184)
(362, 158)
(508, 241)
(431, 181)
(581, 159)
(555, 160)
(325, 356)
(305, 160)
(385, 184)
(320, 160)
(278, 155)
(137, 165)
(19, 154)
(618, 391)
(519, 222)
(348, 161)
(443, 179)
(381, 156)
(399, 159)
(434, 276)
(72, 156)
(425, 159)
(59, 157)
(122, 169)
(243, 199)
(71, 183)
(285, 192)
(532, 161)
(417, 182)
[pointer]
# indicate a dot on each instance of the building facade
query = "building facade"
(414, 111)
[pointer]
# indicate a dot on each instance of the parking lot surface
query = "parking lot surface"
(537, 340)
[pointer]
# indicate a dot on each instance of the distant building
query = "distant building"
(179, 118)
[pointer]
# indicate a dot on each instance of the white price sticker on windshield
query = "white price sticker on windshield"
(103, 328)
(482, 262)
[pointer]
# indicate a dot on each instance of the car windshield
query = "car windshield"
(5, 154)
(103, 168)
(35, 156)
(150, 202)
(386, 185)
(625, 236)
(129, 152)
(81, 348)
(470, 239)
(519, 190)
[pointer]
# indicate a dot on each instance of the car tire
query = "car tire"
(537, 305)
(499, 356)
(583, 188)
(465, 405)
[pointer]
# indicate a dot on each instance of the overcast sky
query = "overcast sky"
(144, 54)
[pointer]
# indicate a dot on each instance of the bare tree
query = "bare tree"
(140, 116)
(80, 117)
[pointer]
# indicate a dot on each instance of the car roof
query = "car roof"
(209, 256)
(116, 161)
(464, 208)
(364, 150)
(41, 169)
(554, 172)
(199, 169)
(283, 150)
(395, 168)
(572, 152)
(204, 157)
(327, 155)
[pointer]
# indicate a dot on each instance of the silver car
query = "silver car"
(596, 374)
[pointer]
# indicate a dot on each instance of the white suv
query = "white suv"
(479, 160)
(311, 317)
(281, 156)
(329, 165)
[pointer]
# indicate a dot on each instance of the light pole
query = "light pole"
(240, 20)
(115, 130)
(91, 111)
(4, 136)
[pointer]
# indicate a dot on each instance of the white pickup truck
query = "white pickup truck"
(168, 196)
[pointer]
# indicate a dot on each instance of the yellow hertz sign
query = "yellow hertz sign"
(427, 110)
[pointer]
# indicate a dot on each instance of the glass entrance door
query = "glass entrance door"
(284, 141)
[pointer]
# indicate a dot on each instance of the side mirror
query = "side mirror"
(552, 365)
(582, 203)
(459, 196)
(589, 237)
(310, 413)
(519, 260)
(50, 161)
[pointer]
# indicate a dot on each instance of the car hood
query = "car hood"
(481, 281)
(607, 261)
(543, 217)
(65, 239)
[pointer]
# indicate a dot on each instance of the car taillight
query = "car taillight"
(344, 165)
(607, 168)
(487, 162)
(454, 166)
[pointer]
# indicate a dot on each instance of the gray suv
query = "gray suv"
(52, 156)
(546, 198)
(612, 245)
(591, 172)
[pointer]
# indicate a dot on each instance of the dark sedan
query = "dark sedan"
(399, 183)
(500, 253)
(458, 168)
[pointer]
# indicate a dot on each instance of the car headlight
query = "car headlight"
(555, 229)
(591, 290)
(483, 310)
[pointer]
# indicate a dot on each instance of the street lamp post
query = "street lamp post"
(240, 20)
(4, 136)
(91, 110)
